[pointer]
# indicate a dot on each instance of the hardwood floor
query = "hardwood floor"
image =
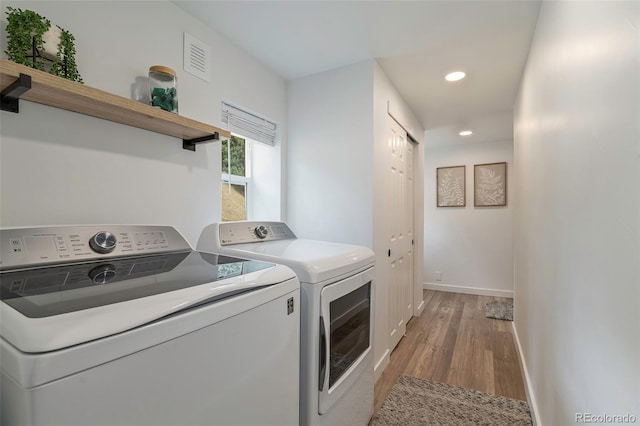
(453, 342)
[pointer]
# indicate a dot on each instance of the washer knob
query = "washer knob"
(102, 274)
(261, 232)
(103, 242)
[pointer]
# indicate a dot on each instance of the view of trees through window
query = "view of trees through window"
(234, 184)
(237, 156)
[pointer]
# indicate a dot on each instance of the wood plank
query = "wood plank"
(508, 377)
(61, 93)
(441, 370)
(461, 369)
(488, 381)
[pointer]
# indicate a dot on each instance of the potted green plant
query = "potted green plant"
(34, 42)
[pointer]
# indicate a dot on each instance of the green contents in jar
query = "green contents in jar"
(163, 92)
(165, 98)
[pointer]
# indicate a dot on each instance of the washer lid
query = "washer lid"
(312, 261)
(45, 309)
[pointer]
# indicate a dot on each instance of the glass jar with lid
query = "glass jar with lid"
(163, 88)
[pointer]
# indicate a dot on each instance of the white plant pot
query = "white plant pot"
(51, 40)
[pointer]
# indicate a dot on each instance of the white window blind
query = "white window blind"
(248, 125)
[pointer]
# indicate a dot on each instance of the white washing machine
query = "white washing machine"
(336, 378)
(126, 325)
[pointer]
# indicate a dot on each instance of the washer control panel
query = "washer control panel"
(26, 247)
(251, 232)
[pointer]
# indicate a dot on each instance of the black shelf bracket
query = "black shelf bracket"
(190, 144)
(10, 96)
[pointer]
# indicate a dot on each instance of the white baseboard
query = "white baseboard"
(382, 364)
(533, 406)
(418, 311)
(468, 290)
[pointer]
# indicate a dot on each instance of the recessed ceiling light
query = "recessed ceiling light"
(465, 133)
(455, 76)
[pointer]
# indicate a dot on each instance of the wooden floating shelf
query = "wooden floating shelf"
(61, 93)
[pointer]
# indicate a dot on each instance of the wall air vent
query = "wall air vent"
(197, 57)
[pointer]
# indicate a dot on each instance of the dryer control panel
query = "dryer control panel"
(27, 247)
(253, 232)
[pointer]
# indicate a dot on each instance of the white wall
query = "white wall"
(577, 230)
(59, 167)
(470, 246)
(329, 155)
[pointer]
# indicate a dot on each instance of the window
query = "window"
(251, 166)
(235, 178)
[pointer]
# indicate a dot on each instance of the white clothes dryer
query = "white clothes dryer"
(127, 325)
(338, 287)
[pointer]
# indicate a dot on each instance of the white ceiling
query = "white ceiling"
(415, 42)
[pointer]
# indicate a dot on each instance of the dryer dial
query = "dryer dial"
(103, 242)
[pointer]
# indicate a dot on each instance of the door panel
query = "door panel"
(407, 293)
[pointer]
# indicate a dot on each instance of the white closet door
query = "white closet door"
(400, 232)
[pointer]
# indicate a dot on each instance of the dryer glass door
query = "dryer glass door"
(348, 330)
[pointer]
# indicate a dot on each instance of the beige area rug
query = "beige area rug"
(414, 402)
(499, 310)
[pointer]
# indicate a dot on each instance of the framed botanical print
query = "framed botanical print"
(490, 185)
(450, 186)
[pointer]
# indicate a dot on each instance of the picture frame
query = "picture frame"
(450, 186)
(490, 185)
